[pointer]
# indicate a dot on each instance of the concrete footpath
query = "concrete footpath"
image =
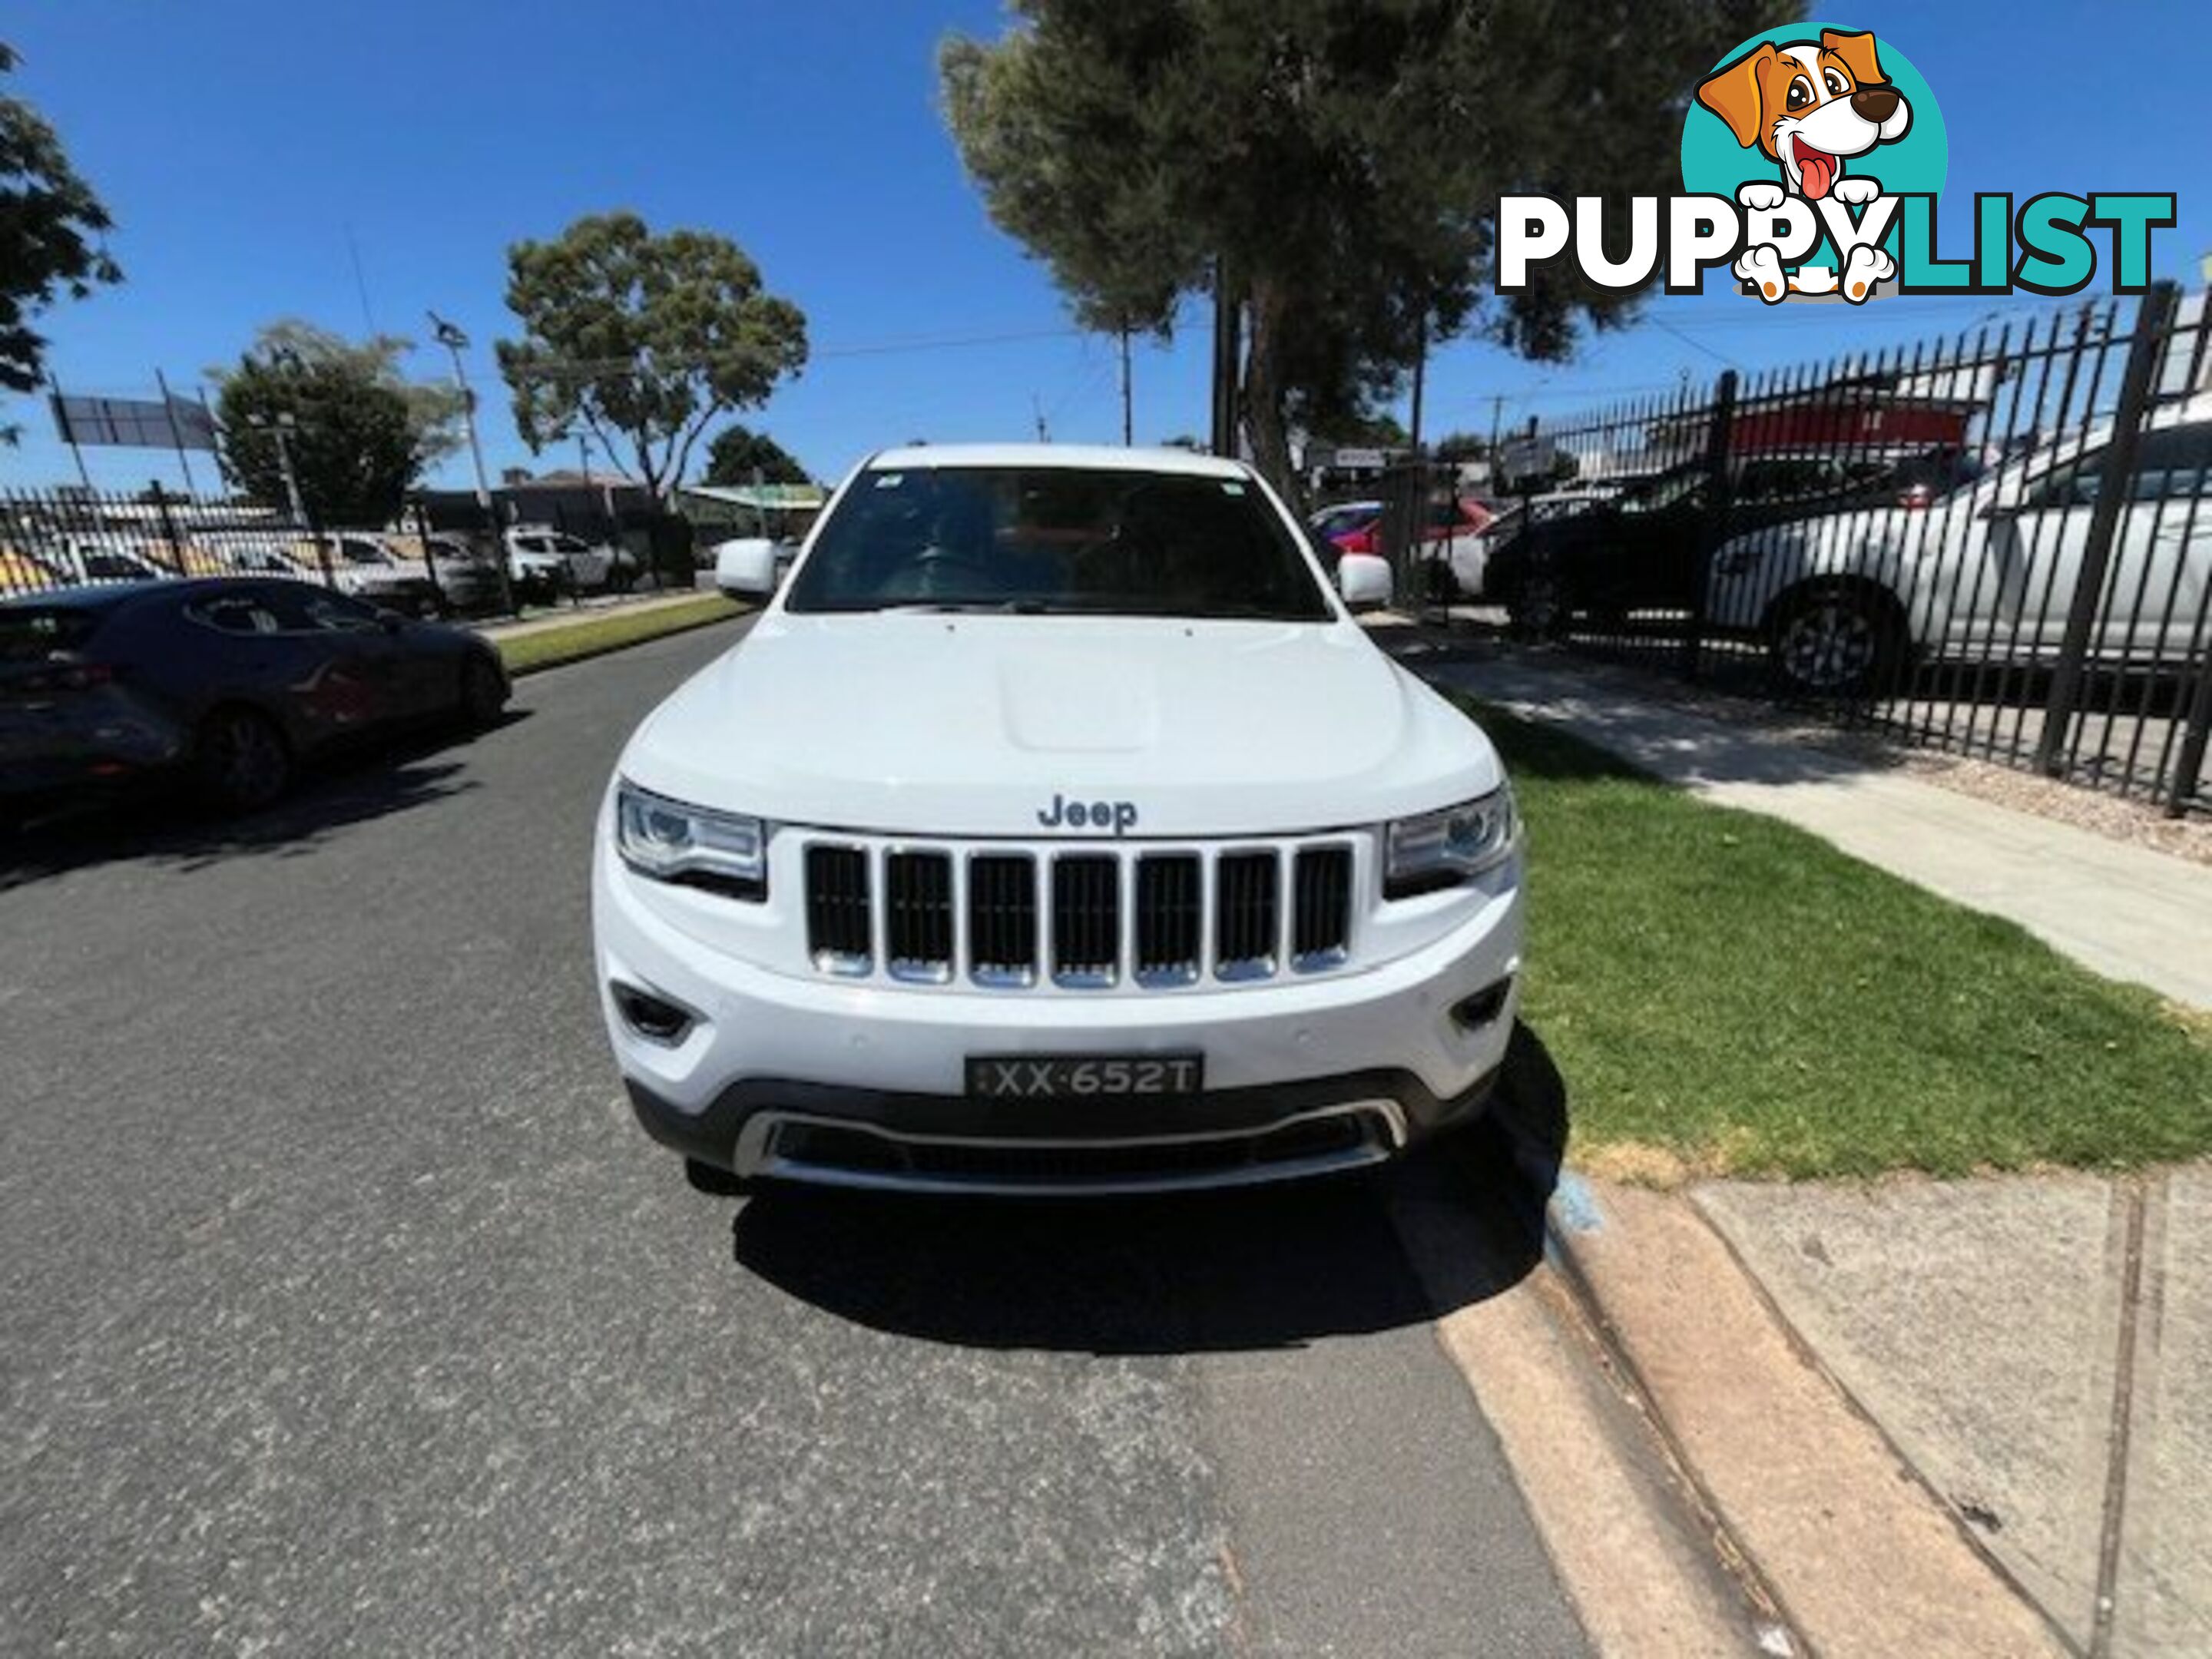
(1927, 1417)
(1931, 1417)
(2125, 912)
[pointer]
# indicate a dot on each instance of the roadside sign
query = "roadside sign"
(1526, 458)
(133, 424)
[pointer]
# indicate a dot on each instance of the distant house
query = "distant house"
(595, 505)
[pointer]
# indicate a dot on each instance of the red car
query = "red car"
(1447, 520)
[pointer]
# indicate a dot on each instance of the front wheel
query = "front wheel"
(240, 763)
(483, 693)
(1837, 642)
(1539, 607)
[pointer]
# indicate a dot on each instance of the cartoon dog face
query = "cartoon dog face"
(1808, 104)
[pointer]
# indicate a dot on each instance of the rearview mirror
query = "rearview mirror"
(1363, 580)
(746, 568)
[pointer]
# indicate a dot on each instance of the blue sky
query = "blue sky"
(246, 147)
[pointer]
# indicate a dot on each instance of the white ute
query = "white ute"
(1054, 828)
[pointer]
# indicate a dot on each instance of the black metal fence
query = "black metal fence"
(56, 538)
(439, 559)
(1998, 544)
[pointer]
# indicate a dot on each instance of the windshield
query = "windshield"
(1655, 493)
(1333, 521)
(1058, 540)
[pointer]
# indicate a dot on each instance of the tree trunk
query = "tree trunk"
(1264, 421)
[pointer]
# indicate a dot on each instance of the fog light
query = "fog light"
(1484, 1005)
(649, 1016)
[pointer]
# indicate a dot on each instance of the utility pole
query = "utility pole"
(282, 433)
(456, 341)
(1128, 426)
(1037, 410)
(280, 430)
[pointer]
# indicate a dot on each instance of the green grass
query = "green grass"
(1722, 992)
(588, 636)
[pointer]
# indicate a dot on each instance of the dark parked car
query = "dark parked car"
(224, 683)
(1641, 550)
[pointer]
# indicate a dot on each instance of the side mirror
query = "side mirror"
(390, 620)
(1363, 580)
(746, 568)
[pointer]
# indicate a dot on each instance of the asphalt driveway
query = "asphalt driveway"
(343, 1307)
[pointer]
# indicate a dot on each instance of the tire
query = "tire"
(483, 693)
(714, 1180)
(1836, 641)
(1540, 606)
(240, 762)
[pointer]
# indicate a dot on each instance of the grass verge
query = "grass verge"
(589, 636)
(1725, 993)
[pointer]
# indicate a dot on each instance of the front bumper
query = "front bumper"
(810, 1078)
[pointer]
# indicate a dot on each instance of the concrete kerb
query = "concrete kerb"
(541, 625)
(1572, 1209)
(505, 627)
(1811, 1608)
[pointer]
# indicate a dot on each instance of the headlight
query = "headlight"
(1442, 849)
(670, 841)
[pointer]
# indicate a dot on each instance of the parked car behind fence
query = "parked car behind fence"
(1998, 544)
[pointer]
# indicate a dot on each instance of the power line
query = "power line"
(549, 366)
(1666, 327)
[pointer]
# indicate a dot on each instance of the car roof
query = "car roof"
(1089, 457)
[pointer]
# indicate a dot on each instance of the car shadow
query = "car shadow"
(160, 828)
(1257, 1268)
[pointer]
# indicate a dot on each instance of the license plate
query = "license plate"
(1057, 1077)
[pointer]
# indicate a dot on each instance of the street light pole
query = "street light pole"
(456, 341)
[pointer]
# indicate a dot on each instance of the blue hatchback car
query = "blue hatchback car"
(224, 683)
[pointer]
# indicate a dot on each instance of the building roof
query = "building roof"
(570, 479)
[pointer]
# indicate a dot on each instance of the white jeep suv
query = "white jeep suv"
(1055, 827)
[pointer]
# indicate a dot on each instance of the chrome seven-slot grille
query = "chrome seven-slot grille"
(1082, 918)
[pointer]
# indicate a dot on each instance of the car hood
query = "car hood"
(976, 724)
